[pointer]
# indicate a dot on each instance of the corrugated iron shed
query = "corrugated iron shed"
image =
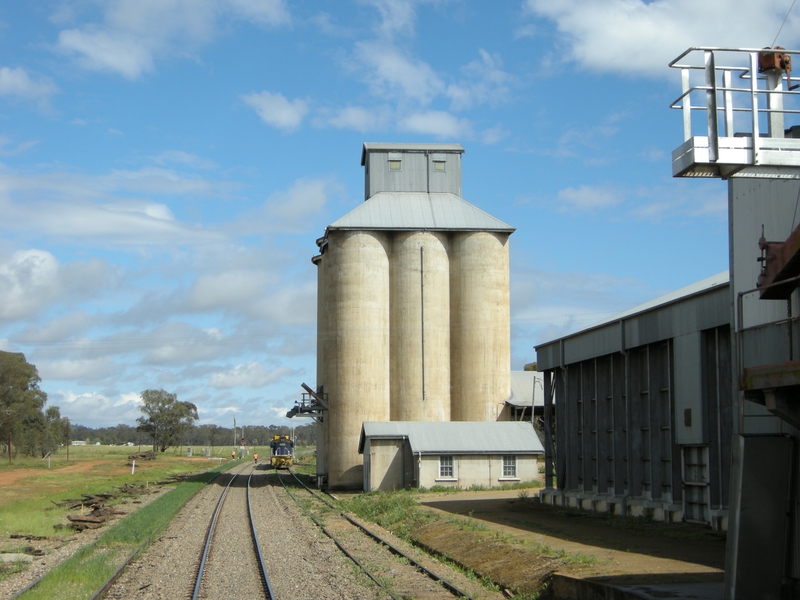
(458, 437)
(416, 211)
(390, 147)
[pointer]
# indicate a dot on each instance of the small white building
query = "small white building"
(460, 454)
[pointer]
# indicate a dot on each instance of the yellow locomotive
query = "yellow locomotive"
(281, 452)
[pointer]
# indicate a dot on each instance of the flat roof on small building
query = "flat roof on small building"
(394, 147)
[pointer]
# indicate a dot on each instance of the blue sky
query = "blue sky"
(166, 165)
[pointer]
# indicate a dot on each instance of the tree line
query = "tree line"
(198, 435)
(27, 426)
(30, 429)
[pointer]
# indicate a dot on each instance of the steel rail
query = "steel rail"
(115, 576)
(392, 548)
(261, 566)
(210, 538)
(335, 541)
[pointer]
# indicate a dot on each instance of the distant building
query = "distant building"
(78, 443)
(400, 455)
(526, 402)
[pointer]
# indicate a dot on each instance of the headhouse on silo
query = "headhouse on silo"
(413, 318)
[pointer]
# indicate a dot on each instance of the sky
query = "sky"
(167, 165)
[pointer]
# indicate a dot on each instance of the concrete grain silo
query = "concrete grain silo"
(480, 324)
(420, 325)
(413, 305)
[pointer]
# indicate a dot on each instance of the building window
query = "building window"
(509, 466)
(394, 165)
(439, 165)
(445, 467)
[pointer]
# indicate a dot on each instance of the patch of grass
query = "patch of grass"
(396, 511)
(81, 575)
(7, 569)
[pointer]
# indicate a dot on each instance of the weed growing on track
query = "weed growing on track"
(81, 575)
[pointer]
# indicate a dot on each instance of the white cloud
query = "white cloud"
(28, 279)
(437, 123)
(65, 205)
(226, 290)
(588, 198)
(111, 51)
(56, 329)
(548, 304)
(274, 109)
(94, 409)
(358, 118)
(134, 33)
(7, 148)
(635, 37)
(82, 370)
(291, 209)
(17, 82)
(392, 74)
(183, 158)
(262, 12)
(31, 279)
(251, 375)
(485, 82)
(397, 17)
(493, 135)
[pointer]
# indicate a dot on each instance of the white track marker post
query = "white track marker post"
(133, 466)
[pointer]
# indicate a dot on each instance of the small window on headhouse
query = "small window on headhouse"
(439, 165)
(394, 165)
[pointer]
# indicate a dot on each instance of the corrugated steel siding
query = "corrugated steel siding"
(615, 418)
(416, 173)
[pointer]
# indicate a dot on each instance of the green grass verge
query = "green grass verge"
(81, 575)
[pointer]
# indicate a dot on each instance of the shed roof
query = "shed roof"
(419, 211)
(694, 289)
(458, 437)
(525, 389)
(391, 147)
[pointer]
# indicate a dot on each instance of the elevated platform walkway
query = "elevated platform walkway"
(735, 103)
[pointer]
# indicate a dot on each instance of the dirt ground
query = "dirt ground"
(10, 477)
(570, 542)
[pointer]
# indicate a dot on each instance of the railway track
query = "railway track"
(217, 587)
(360, 556)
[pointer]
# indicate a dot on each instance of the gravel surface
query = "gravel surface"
(232, 568)
(403, 579)
(60, 548)
(301, 561)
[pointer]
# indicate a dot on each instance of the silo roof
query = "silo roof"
(414, 211)
(390, 147)
(458, 437)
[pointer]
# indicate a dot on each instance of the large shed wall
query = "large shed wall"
(641, 420)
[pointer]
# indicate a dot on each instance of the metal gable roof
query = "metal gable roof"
(526, 388)
(419, 211)
(458, 437)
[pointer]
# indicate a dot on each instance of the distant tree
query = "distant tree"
(21, 403)
(531, 367)
(165, 418)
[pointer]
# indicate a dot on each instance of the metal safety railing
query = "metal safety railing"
(780, 336)
(738, 87)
